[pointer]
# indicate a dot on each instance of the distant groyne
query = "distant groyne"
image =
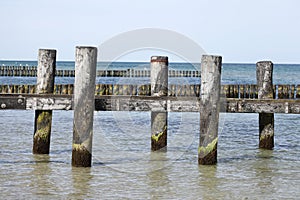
(238, 91)
(31, 71)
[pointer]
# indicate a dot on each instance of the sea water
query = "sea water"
(124, 166)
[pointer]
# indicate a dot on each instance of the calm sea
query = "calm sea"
(125, 168)
(231, 73)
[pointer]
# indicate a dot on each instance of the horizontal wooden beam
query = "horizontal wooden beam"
(12, 102)
(263, 106)
(49, 103)
(149, 103)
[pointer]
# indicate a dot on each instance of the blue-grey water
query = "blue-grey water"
(231, 73)
(125, 168)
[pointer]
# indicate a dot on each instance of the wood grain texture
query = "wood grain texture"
(264, 75)
(148, 103)
(45, 85)
(209, 109)
(159, 88)
(84, 104)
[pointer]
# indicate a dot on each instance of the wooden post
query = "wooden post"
(252, 91)
(179, 90)
(45, 85)
(292, 92)
(232, 91)
(264, 76)
(235, 91)
(97, 89)
(210, 108)
(64, 89)
(159, 87)
(298, 92)
(242, 92)
(280, 91)
(71, 88)
(286, 90)
(197, 90)
(125, 90)
(84, 104)
(116, 89)
(134, 90)
(225, 90)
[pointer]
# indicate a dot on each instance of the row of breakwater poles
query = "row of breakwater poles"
(241, 91)
(31, 71)
(84, 105)
(84, 100)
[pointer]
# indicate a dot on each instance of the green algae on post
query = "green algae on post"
(159, 88)
(209, 148)
(157, 136)
(45, 85)
(42, 132)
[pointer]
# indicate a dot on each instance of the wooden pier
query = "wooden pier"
(159, 98)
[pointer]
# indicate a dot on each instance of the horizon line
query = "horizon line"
(139, 61)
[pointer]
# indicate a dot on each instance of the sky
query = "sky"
(241, 31)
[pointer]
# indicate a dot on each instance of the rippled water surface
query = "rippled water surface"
(125, 168)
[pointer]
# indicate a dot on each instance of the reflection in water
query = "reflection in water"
(264, 172)
(208, 181)
(41, 176)
(81, 178)
(158, 180)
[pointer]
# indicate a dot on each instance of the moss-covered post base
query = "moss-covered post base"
(158, 130)
(266, 130)
(159, 87)
(45, 85)
(42, 132)
(84, 105)
(208, 155)
(81, 157)
(264, 76)
(209, 109)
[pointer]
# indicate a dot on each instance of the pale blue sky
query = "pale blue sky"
(239, 30)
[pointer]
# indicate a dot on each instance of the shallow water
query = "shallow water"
(125, 168)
